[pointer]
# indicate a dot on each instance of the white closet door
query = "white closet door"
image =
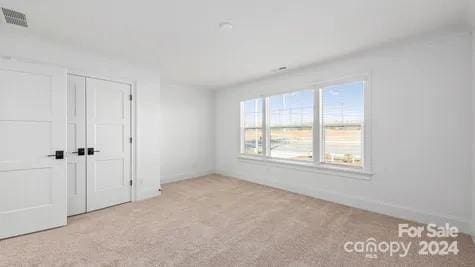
(108, 132)
(76, 145)
(32, 126)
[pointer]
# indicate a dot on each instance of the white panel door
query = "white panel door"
(32, 126)
(76, 145)
(108, 132)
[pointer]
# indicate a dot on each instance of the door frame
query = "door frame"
(133, 122)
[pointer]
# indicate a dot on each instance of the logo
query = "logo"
(371, 247)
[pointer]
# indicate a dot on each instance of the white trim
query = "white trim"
(241, 127)
(264, 132)
(368, 126)
(301, 165)
(149, 193)
(389, 209)
(266, 127)
(98, 76)
(134, 135)
(184, 176)
(316, 127)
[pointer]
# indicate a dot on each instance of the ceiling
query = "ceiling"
(184, 40)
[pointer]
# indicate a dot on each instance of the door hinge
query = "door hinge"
(130, 140)
(130, 97)
(131, 182)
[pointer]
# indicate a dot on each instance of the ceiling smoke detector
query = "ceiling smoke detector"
(225, 26)
(14, 17)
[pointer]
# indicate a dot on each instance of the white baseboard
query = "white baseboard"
(184, 176)
(365, 204)
(148, 193)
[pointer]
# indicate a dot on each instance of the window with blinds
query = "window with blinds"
(322, 126)
(251, 126)
(341, 123)
(291, 125)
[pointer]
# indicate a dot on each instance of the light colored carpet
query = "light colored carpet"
(219, 221)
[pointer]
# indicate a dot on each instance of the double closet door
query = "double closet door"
(99, 144)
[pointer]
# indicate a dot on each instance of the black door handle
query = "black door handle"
(80, 152)
(90, 151)
(59, 154)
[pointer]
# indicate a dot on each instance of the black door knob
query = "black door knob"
(59, 154)
(91, 151)
(80, 152)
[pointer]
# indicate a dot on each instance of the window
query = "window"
(341, 120)
(291, 123)
(251, 126)
(320, 127)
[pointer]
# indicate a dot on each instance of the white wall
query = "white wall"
(187, 140)
(16, 42)
(421, 115)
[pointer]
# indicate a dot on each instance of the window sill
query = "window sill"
(309, 166)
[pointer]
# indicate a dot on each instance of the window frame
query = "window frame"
(268, 126)
(317, 164)
(242, 129)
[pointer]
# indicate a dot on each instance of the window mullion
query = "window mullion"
(241, 128)
(266, 127)
(366, 136)
(316, 127)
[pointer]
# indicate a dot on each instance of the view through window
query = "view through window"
(251, 112)
(291, 122)
(341, 119)
(289, 128)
